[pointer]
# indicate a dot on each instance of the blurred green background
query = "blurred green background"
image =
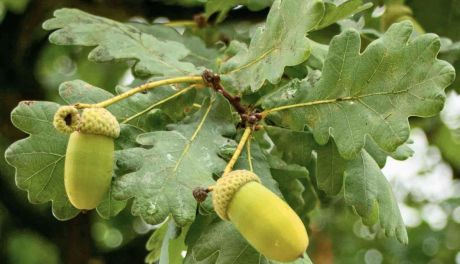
(427, 185)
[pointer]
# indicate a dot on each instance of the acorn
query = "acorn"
(90, 153)
(262, 218)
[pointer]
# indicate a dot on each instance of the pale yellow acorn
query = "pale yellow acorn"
(264, 219)
(90, 153)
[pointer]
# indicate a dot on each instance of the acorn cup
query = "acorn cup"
(264, 220)
(90, 153)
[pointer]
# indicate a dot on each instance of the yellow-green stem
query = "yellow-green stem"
(180, 23)
(239, 148)
(141, 88)
(248, 149)
(158, 103)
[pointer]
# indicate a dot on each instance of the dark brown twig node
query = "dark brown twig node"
(200, 20)
(200, 194)
(247, 115)
(213, 80)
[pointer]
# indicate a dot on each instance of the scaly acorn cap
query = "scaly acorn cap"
(227, 186)
(99, 121)
(96, 121)
(66, 119)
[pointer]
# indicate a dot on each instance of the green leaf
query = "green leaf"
(154, 243)
(110, 207)
(199, 54)
(140, 109)
(403, 152)
(369, 193)
(372, 93)
(260, 166)
(200, 225)
(39, 159)
(318, 55)
(295, 185)
(221, 243)
(450, 51)
(223, 7)
(127, 138)
(173, 244)
(365, 187)
(335, 12)
(330, 167)
(117, 41)
(280, 43)
(175, 162)
(295, 151)
(448, 142)
(294, 147)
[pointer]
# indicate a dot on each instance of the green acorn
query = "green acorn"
(90, 153)
(264, 220)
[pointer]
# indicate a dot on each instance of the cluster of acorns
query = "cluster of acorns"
(264, 220)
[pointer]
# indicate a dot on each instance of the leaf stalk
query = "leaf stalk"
(199, 21)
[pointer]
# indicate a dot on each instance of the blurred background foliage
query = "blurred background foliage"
(427, 185)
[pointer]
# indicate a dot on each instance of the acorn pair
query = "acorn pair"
(264, 220)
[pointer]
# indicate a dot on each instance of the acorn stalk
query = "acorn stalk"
(263, 219)
(90, 153)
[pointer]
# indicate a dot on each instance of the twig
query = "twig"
(213, 80)
(246, 114)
